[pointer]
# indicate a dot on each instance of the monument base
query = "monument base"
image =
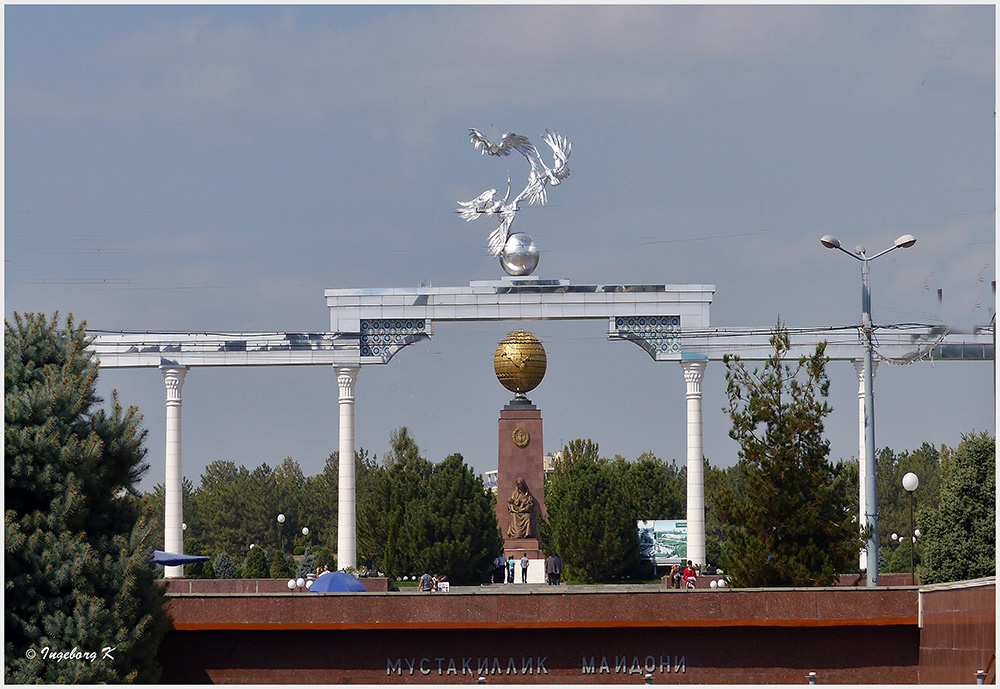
(518, 547)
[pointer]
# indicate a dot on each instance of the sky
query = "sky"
(216, 168)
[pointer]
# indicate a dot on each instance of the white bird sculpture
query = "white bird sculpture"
(539, 177)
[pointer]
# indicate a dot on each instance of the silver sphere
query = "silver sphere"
(519, 256)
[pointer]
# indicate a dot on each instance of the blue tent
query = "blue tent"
(159, 557)
(336, 582)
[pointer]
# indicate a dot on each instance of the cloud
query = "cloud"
(447, 58)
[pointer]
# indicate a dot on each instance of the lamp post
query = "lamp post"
(867, 328)
(910, 483)
(281, 520)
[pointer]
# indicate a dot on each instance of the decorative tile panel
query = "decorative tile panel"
(660, 336)
(383, 337)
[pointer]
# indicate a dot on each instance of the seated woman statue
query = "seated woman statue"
(519, 505)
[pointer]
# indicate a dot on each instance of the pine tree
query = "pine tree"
(77, 539)
(959, 536)
(590, 524)
(790, 525)
(453, 527)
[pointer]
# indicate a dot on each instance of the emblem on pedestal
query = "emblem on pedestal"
(521, 437)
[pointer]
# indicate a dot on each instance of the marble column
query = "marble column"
(859, 366)
(173, 507)
(347, 545)
(693, 373)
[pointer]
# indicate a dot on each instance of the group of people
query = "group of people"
(431, 582)
(505, 567)
(553, 570)
(689, 576)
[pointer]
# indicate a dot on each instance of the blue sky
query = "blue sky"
(217, 167)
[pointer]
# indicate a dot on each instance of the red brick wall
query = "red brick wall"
(958, 632)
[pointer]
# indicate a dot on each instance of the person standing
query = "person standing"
(500, 570)
(427, 582)
(524, 568)
(553, 567)
(511, 563)
(690, 576)
(550, 569)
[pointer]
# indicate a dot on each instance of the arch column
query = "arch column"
(694, 371)
(859, 366)
(173, 505)
(347, 545)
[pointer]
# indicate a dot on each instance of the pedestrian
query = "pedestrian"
(690, 576)
(675, 576)
(557, 566)
(427, 582)
(550, 569)
(524, 568)
(510, 569)
(500, 569)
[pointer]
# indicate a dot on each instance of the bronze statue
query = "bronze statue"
(519, 505)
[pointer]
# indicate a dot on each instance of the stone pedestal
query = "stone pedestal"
(520, 456)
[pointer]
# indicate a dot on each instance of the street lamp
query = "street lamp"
(910, 483)
(867, 330)
(281, 520)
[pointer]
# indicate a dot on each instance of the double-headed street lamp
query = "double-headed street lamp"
(867, 328)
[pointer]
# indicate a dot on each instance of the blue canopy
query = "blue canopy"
(336, 582)
(166, 559)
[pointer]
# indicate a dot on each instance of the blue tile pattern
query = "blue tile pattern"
(383, 337)
(660, 336)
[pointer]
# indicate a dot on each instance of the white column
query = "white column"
(347, 547)
(693, 373)
(173, 506)
(859, 366)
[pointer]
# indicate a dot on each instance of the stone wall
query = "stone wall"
(595, 635)
(958, 632)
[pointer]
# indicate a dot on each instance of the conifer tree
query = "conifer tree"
(454, 526)
(959, 536)
(590, 524)
(77, 541)
(224, 567)
(790, 524)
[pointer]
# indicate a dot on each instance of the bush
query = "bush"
(299, 550)
(224, 568)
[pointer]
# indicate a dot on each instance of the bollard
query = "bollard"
(482, 680)
(649, 678)
(812, 677)
(980, 677)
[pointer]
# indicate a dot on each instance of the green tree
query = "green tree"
(719, 482)
(791, 525)
(589, 524)
(280, 566)
(653, 488)
(223, 567)
(453, 527)
(256, 565)
(390, 492)
(894, 501)
(959, 536)
(76, 535)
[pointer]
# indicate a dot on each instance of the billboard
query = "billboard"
(664, 541)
